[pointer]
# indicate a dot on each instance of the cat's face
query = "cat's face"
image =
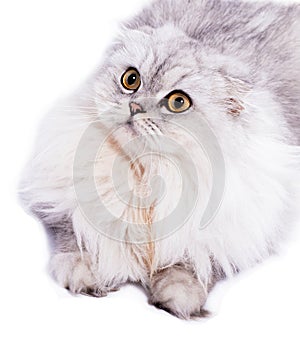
(156, 76)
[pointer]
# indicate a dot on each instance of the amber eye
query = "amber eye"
(131, 79)
(178, 102)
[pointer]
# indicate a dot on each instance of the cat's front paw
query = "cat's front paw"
(177, 291)
(73, 271)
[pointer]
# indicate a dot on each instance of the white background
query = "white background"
(47, 49)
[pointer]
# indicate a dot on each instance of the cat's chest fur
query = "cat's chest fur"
(138, 197)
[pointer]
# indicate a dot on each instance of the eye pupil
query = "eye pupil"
(178, 102)
(131, 79)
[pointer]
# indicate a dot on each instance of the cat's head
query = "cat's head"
(154, 76)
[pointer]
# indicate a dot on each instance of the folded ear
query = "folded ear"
(237, 90)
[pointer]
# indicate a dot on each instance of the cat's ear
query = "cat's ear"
(130, 38)
(136, 34)
(146, 29)
(237, 90)
(236, 81)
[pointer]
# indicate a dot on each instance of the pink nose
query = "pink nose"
(135, 108)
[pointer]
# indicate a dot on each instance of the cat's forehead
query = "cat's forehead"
(164, 55)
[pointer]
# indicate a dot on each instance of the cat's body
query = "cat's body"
(239, 63)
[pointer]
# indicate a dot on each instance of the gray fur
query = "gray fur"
(59, 229)
(227, 27)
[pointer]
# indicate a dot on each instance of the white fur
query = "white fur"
(262, 171)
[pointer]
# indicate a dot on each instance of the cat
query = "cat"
(176, 164)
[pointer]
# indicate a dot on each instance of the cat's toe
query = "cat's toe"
(177, 291)
(97, 292)
(94, 292)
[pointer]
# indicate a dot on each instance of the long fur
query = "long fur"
(222, 53)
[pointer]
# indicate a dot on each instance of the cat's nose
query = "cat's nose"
(136, 108)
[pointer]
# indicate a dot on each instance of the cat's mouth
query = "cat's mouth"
(144, 126)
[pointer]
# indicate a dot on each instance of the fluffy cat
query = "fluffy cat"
(177, 163)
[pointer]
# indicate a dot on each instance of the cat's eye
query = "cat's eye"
(131, 80)
(177, 102)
